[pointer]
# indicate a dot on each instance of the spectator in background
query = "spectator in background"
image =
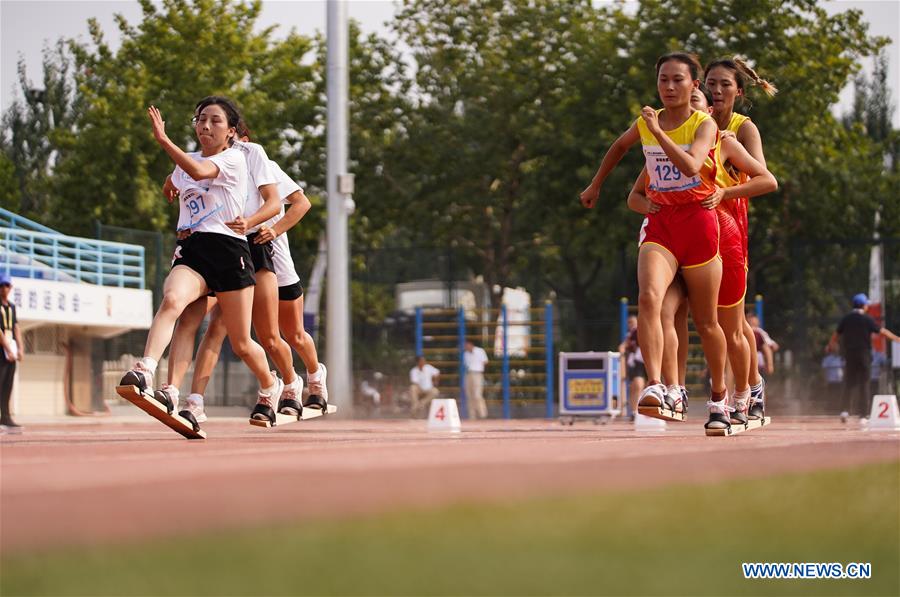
(11, 340)
(833, 369)
(634, 365)
(423, 379)
(765, 346)
(855, 334)
(475, 359)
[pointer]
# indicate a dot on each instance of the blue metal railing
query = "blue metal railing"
(53, 256)
(10, 219)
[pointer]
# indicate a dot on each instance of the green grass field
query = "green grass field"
(686, 540)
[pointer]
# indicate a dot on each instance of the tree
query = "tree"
(112, 170)
(32, 127)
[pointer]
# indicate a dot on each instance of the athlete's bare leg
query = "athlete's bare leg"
(237, 309)
(703, 292)
(656, 270)
(732, 321)
(290, 320)
(265, 324)
(182, 287)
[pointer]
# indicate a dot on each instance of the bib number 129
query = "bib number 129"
(666, 172)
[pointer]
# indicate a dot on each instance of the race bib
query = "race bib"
(664, 175)
(200, 205)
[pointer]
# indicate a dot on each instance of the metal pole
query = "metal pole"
(340, 188)
(419, 332)
(759, 310)
(505, 374)
(623, 318)
(461, 345)
(548, 352)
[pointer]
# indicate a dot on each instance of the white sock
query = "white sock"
(315, 376)
(150, 364)
(196, 398)
(296, 381)
(270, 390)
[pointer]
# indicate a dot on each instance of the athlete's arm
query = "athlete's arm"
(761, 180)
(688, 162)
(769, 360)
(613, 156)
(195, 169)
(637, 199)
(300, 206)
(749, 137)
(18, 334)
(270, 207)
(170, 191)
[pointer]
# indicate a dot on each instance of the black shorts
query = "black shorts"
(261, 254)
(291, 292)
(637, 370)
(223, 261)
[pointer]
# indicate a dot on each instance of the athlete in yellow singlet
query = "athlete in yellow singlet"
(738, 176)
(727, 80)
(680, 235)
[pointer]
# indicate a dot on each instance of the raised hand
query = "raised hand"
(651, 119)
(158, 124)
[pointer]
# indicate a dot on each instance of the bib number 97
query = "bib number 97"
(196, 205)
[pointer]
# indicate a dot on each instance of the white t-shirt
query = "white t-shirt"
(475, 360)
(205, 205)
(281, 256)
(424, 377)
(259, 173)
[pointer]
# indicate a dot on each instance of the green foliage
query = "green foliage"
(10, 197)
(33, 128)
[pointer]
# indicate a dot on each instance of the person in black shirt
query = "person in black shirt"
(11, 341)
(855, 332)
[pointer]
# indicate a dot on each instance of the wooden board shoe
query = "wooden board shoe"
(661, 412)
(157, 410)
(735, 429)
(282, 419)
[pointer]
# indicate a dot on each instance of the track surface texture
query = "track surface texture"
(125, 480)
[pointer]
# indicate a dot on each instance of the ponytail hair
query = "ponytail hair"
(691, 60)
(242, 130)
(743, 74)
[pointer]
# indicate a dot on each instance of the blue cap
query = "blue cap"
(5, 280)
(860, 300)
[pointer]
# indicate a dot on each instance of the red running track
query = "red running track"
(91, 482)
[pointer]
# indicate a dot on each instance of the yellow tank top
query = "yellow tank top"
(729, 176)
(667, 185)
(736, 121)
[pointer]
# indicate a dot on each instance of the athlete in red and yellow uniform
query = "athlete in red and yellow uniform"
(738, 176)
(732, 216)
(727, 79)
(682, 227)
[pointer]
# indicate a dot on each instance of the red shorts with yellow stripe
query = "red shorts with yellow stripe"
(689, 232)
(734, 263)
